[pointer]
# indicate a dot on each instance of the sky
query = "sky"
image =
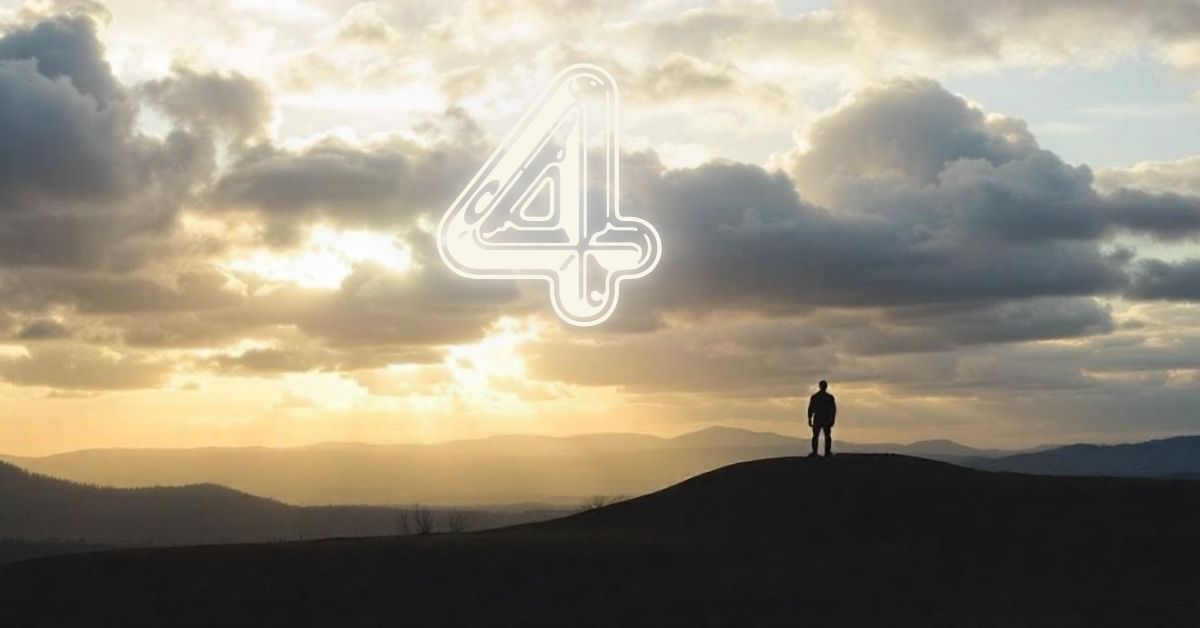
(977, 220)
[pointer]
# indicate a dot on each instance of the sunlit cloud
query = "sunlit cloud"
(326, 259)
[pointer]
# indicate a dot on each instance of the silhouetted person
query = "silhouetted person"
(822, 410)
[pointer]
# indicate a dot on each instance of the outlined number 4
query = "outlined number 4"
(546, 204)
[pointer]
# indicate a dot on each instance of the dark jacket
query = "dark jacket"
(822, 408)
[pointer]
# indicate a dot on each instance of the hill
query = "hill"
(496, 470)
(857, 540)
(65, 516)
(1168, 457)
(13, 550)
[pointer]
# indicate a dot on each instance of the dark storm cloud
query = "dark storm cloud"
(945, 328)
(1156, 279)
(1166, 216)
(227, 102)
(78, 185)
(739, 236)
(65, 47)
(929, 201)
(58, 140)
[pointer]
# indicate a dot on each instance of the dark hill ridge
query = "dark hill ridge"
(39, 508)
(856, 540)
(42, 507)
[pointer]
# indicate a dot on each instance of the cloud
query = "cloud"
(908, 146)
(79, 186)
(681, 78)
(947, 328)
(43, 329)
(1157, 279)
(738, 236)
(365, 23)
(227, 102)
(751, 355)
(1180, 177)
(723, 358)
(90, 225)
(95, 293)
(909, 140)
(58, 139)
(1025, 29)
(1165, 216)
(385, 184)
(465, 81)
(745, 30)
(65, 47)
(301, 358)
(903, 130)
(871, 36)
(938, 231)
(80, 367)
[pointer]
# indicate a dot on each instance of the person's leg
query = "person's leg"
(816, 436)
(828, 439)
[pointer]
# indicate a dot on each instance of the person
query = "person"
(822, 410)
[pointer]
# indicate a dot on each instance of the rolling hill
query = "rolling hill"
(40, 515)
(856, 540)
(497, 470)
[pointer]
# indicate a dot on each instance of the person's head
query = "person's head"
(823, 384)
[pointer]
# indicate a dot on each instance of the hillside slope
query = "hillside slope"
(43, 507)
(34, 507)
(857, 540)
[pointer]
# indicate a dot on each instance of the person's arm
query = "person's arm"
(810, 411)
(832, 410)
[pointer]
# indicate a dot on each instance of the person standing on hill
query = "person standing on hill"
(822, 410)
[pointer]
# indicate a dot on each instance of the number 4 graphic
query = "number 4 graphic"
(546, 204)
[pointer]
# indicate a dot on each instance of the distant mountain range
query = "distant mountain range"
(489, 471)
(559, 471)
(1177, 457)
(41, 515)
